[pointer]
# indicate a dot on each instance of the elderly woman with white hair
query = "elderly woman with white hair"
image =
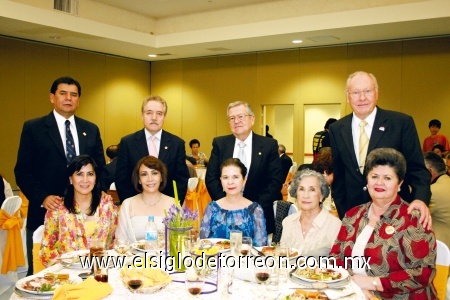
(313, 229)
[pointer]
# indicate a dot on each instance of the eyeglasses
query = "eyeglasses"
(357, 94)
(240, 118)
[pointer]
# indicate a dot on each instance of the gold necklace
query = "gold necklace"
(148, 204)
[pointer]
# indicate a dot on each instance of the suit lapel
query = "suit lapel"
(257, 153)
(53, 133)
(380, 125)
(229, 147)
(347, 137)
(164, 146)
(141, 143)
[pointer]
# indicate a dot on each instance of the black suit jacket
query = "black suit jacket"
(41, 168)
(391, 130)
(111, 169)
(286, 164)
(172, 153)
(264, 179)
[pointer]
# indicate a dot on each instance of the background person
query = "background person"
(312, 229)
(324, 165)
(439, 150)
(85, 214)
(402, 252)
(321, 139)
(351, 143)
(112, 152)
(43, 156)
(259, 155)
(200, 157)
(149, 179)
(152, 140)
(435, 138)
(286, 161)
(234, 211)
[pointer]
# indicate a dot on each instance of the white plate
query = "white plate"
(292, 251)
(69, 256)
(136, 247)
(343, 272)
(215, 241)
(19, 284)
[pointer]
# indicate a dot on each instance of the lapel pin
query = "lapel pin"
(166, 147)
(381, 128)
(84, 133)
(390, 229)
(259, 153)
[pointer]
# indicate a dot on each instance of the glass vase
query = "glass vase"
(178, 241)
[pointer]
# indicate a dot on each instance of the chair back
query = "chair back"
(37, 239)
(281, 210)
(192, 184)
(12, 204)
(442, 265)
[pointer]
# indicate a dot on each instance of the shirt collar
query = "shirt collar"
(148, 134)
(370, 118)
(247, 141)
(61, 119)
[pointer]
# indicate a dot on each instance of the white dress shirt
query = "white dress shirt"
(247, 150)
(356, 130)
(61, 121)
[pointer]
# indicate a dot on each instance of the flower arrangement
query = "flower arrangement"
(177, 216)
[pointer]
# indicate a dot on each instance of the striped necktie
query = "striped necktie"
(70, 144)
(363, 145)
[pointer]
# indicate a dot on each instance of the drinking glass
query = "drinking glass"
(282, 257)
(225, 282)
(246, 247)
(101, 266)
(134, 280)
(121, 246)
(161, 239)
(95, 245)
(235, 242)
(194, 281)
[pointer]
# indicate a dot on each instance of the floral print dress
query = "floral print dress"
(218, 222)
(65, 232)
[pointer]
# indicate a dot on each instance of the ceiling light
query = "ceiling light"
(152, 55)
(297, 41)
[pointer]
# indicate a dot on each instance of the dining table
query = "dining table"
(244, 286)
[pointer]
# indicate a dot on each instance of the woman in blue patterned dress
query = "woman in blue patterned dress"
(234, 212)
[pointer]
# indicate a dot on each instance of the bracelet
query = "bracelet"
(375, 284)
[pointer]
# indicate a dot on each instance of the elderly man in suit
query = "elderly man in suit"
(259, 154)
(367, 128)
(152, 140)
(47, 145)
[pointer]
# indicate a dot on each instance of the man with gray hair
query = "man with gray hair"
(439, 203)
(258, 153)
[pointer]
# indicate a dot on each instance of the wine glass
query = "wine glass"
(195, 281)
(121, 246)
(134, 280)
(261, 273)
(246, 247)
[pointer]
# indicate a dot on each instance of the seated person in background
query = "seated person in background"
(447, 163)
(5, 190)
(439, 150)
(402, 253)
(191, 162)
(86, 214)
(149, 179)
(312, 230)
(112, 152)
(435, 138)
(324, 165)
(439, 203)
(234, 212)
(200, 157)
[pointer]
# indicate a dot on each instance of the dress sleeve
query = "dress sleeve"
(111, 214)
(49, 251)
(259, 233)
(124, 229)
(205, 228)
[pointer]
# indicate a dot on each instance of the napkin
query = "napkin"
(152, 276)
(90, 289)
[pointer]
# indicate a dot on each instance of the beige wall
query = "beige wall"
(413, 77)
(112, 91)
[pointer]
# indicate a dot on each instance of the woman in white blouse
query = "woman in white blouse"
(312, 230)
(149, 178)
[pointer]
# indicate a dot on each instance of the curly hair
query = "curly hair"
(324, 188)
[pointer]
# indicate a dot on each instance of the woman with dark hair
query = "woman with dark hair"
(234, 212)
(200, 157)
(86, 214)
(149, 179)
(399, 252)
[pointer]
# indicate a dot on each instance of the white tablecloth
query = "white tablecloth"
(242, 290)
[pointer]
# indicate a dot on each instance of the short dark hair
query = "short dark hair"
(112, 151)
(438, 146)
(435, 122)
(75, 166)
(387, 157)
(150, 162)
(66, 80)
(194, 141)
(324, 188)
(329, 122)
(324, 161)
(234, 162)
(435, 162)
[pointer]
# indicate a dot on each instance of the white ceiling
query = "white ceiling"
(195, 28)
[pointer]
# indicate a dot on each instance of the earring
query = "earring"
(399, 189)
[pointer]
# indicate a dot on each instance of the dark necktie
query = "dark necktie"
(70, 144)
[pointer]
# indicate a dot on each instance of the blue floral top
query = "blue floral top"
(218, 222)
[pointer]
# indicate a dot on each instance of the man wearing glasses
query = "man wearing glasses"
(258, 153)
(367, 128)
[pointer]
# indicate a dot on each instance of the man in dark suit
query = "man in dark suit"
(152, 140)
(286, 161)
(384, 129)
(264, 178)
(43, 155)
(112, 152)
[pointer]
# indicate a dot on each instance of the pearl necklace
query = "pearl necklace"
(149, 204)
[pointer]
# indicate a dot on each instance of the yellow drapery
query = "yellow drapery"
(24, 207)
(13, 252)
(204, 198)
(191, 201)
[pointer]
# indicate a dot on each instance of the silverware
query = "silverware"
(257, 251)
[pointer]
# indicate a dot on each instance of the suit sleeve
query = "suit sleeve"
(212, 178)
(338, 186)
(124, 170)
(26, 179)
(99, 158)
(417, 175)
(272, 191)
(181, 175)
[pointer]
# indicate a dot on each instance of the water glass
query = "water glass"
(235, 242)
(272, 284)
(246, 248)
(282, 257)
(225, 282)
(101, 266)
